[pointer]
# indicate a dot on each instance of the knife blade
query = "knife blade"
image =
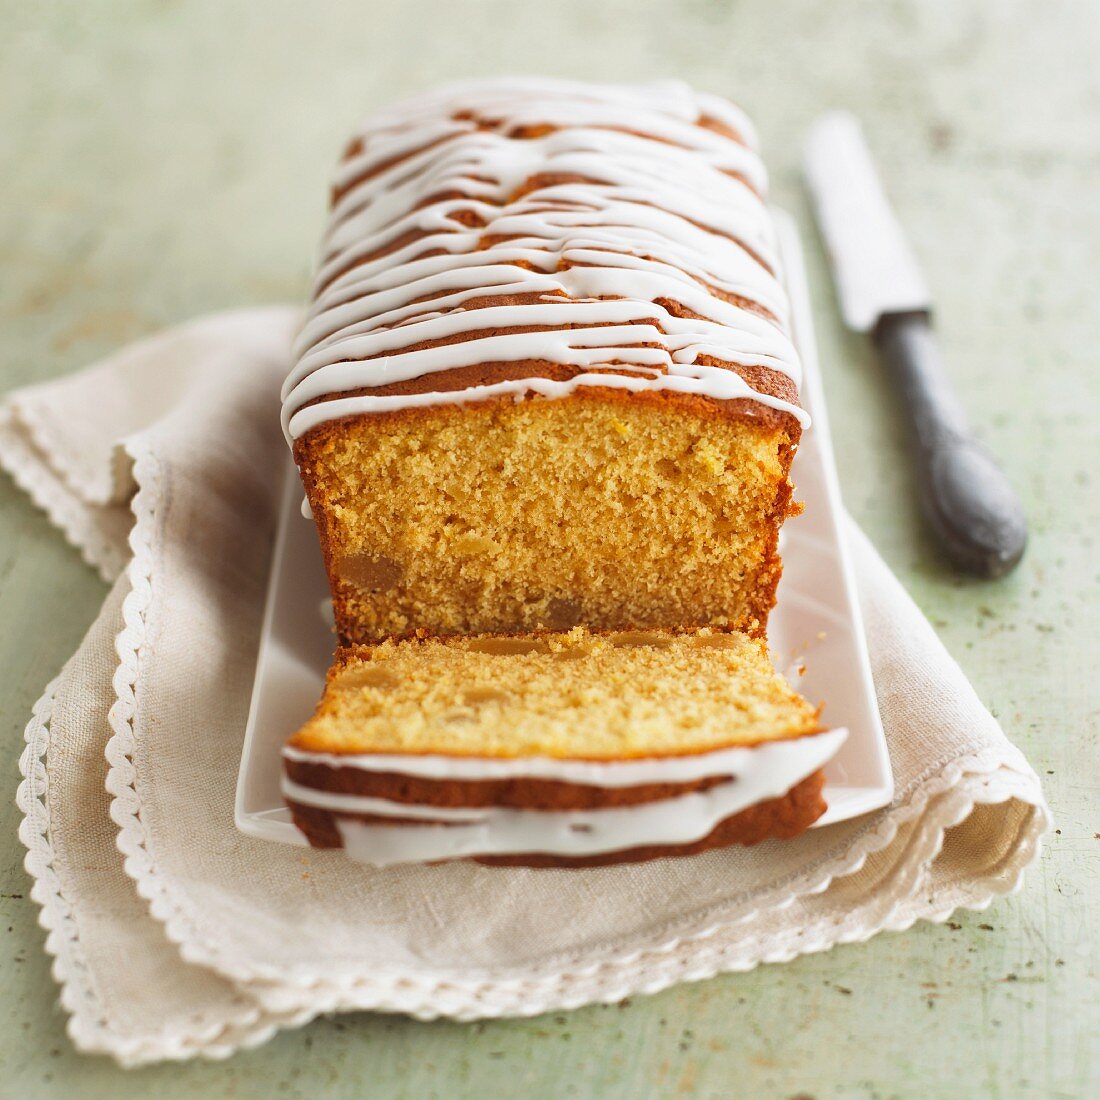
(966, 498)
(874, 268)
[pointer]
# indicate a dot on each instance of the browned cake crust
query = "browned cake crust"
(520, 793)
(777, 818)
(763, 380)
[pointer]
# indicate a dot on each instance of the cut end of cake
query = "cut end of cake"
(546, 514)
(575, 695)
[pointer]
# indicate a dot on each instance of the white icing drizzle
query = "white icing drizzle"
(619, 772)
(633, 205)
(760, 772)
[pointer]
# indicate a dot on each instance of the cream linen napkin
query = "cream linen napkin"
(198, 940)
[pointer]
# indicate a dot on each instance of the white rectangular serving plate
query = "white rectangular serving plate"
(815, 626)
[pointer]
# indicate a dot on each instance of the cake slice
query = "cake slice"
(561, 749)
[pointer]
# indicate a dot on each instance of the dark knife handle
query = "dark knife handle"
(965, 495)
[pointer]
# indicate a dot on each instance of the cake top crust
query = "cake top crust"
(611, 236)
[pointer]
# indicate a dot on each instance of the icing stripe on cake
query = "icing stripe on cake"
(759, 773)
(615, 233)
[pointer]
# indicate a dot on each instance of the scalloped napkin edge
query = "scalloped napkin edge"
(171, 933)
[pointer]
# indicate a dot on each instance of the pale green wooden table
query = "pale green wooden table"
(159, 160)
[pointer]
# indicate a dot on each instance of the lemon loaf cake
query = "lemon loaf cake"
(546, 376)
(561, 749)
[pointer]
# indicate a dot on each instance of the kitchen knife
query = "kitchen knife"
(966, 497)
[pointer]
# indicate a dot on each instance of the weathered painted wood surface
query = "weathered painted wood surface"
(158, 160)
